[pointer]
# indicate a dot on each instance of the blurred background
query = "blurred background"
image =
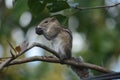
(95, 35)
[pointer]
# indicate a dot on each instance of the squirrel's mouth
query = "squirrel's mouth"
(39, 31)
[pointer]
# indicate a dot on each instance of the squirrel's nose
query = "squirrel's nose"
(38, 31)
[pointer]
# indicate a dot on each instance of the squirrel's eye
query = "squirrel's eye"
(46, 22)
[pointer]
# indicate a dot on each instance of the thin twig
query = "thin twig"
(97, 7)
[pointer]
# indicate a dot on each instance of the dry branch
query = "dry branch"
(51, 59)
(21, 53)
(56, 60)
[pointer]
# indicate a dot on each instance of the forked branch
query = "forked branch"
(52, 59)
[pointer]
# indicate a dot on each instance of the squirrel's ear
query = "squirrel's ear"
(53, 18)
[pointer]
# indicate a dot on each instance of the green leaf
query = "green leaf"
(58, 6)
(49, 1)
(36, 6)
(19, 7)
(62, 19)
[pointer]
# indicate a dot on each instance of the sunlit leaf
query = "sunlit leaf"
(22, 47)
(18, 49)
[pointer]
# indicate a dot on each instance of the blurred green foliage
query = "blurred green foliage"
(103, 40)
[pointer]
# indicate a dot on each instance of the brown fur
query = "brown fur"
(61, 38)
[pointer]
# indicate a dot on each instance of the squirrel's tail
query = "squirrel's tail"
(81, 71)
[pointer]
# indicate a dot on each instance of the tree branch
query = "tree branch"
(41, 46)
(56, 60)
(97, 7)
(6, 62)
(72, 62)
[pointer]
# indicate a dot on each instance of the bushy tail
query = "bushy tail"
(81, 71)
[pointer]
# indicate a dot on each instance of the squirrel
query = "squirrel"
(62, 43)
(61, 40)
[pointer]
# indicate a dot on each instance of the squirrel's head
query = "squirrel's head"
(46, 24)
